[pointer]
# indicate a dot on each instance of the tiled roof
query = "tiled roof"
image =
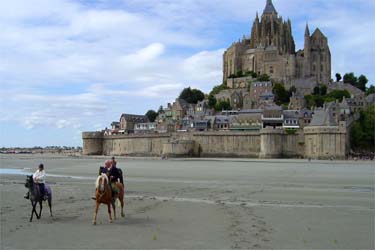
(322, 118)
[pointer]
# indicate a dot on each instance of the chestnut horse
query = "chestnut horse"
(103, 195)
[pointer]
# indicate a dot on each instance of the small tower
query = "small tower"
(269, 9)
(307, 52)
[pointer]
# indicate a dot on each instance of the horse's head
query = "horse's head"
(29, 181)
(101, 182)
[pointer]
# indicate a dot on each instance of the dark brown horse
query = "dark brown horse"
(36, 197)
(103, 195)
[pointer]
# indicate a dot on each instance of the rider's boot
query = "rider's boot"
(27, 196)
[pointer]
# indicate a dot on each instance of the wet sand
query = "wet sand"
(195, 204)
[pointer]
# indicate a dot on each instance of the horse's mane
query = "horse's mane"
(99, 177)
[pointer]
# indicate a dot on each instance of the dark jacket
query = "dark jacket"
(114, 174)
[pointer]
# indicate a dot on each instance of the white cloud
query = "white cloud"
(139, 54)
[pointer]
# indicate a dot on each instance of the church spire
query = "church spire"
(269, 9)
(307, 31)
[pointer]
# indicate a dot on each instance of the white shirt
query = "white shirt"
(39, 176)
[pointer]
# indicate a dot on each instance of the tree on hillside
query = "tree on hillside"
(292, 90)
(281, 95)
(151, 114)
(211, 101)
(362, 81)
(370, 90)
(338, 94)
(222, 105)
(161, 109)
(216, 89)
(350, 78)
(263, 78)
(320, 90)
(359, 82)
(362, 133)
(338, 77)
(192, 95)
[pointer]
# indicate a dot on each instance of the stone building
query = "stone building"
(128, 121)
(271, 50)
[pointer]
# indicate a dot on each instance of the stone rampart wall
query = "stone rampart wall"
(312, 142)
(227, 144)
(92, 143)
(325, 142)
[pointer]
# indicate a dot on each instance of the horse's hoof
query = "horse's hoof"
(123, 215)
(94, 223)
(110, 221)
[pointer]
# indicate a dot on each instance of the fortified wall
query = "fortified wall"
(312, 142)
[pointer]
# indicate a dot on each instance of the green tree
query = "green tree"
(316, 90)
(350, 78)
(222, 105)
(192, 95)
(338, 77)
(161, 109)
(319, 101)
(362, 81)
(151, 114)
(251, 73)
(310, 101)
(211, 101)
(292, 90)
(362, 132)
(339, 94)
(320, 90)
(239, 73)
(323, 90)
(263, 78)
(216, 89)
(370, 90)
(281, 95)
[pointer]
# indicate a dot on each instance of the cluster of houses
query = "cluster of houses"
(181, 116)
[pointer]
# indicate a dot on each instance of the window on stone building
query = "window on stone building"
(313, 68)
(271, 70)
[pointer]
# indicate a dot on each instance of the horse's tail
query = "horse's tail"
(48, 191)
(121, 176)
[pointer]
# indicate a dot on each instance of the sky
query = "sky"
(68, 66)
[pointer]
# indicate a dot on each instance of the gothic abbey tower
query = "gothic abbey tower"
(271, 50)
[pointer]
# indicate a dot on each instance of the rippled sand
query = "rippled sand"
(195, 204)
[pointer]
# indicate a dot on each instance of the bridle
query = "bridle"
(101, 187)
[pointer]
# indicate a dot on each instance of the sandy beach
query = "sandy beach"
(194, 204)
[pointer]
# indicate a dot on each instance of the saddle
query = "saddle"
(45, 197)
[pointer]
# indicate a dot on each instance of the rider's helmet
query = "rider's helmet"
(41, 166)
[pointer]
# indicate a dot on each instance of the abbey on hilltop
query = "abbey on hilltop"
(271, 50)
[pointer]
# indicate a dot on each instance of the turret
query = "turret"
(269, 9)
(307, 51)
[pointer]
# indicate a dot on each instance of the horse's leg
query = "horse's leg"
(33, 210)
(50, 204)
(41, 208)
(114, 208)
(122, 206)
(122, 201)
(96, 213)
(109, 212)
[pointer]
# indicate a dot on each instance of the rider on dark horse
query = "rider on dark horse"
(39, 179)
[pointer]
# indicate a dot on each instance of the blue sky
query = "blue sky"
(71, 66)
